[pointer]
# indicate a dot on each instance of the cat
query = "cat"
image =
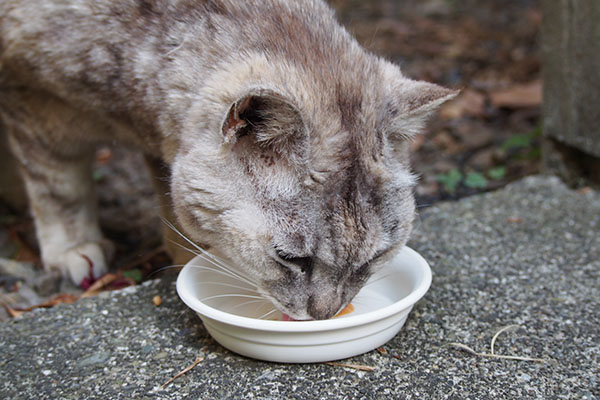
(273, 136)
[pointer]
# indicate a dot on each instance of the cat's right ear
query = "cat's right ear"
(235, 124)
(266, 115)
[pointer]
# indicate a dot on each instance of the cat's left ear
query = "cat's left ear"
(264, 114)
(414, 102)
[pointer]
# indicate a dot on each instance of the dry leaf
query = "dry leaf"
(101, 282)
(104, 155)
(64, 298)
(12, 312)
(518, 96)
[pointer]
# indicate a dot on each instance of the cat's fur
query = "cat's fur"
(284, 143)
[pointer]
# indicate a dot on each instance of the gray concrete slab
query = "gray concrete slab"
(528, 254)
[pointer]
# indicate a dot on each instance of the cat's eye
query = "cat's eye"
(304, 263)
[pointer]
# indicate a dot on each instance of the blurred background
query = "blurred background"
(489, 135)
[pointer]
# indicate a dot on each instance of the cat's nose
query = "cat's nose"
(322, 307)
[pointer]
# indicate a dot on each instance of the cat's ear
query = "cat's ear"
(265, 114)
(414, 102)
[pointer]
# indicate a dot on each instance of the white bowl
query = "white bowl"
(231, 312)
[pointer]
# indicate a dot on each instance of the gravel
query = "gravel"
(528, 254)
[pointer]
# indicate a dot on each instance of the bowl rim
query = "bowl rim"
(206, 311)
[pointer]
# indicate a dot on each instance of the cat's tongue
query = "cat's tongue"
(285, 317)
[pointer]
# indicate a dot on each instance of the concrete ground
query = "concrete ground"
(528, 254)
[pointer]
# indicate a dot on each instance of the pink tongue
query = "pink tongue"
(285, 317)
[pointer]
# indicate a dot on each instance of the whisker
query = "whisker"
(218, 271)
(213, 257)
(165, 268)
(267, 314)
(226, 284)
(208, 254)
(229, 271)
(372, 281)
(244, 304)
(218, 296)
(221, 266)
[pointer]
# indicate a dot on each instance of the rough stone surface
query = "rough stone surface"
(528, 254)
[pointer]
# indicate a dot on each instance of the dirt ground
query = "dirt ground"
(485, 138)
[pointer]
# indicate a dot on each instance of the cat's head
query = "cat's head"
(304, 185)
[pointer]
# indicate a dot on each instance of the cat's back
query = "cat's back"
(116, 48)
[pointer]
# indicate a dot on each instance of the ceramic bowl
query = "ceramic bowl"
(241, 320)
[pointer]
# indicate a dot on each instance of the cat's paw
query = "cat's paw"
(86, 262)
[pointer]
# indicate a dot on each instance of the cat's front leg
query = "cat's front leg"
(63, 204)
(62, 199)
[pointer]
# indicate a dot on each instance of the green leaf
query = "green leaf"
(98, 175)
(450, 179)
(134, 274)
(497, 173)
(475, 180)
(517, 142)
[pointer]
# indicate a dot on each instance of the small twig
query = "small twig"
(491, 354)
(471, 351)
(498, 334)
(198, 361)
(353, 366)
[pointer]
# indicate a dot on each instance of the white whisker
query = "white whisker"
(372, 281)
(222, 266)
(216, 260)
(232, 273)
(218, 296)
(226, 284)
(165, 268)
(218, 271)
(267, 314)
(245, 304)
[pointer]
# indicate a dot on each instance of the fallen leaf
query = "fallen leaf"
(514, 220)
(104, 155)
(381, 350)
(98, 284)
(12, 312)
(518, 96)
(64, 298)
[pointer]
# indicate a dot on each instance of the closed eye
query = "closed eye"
(304, 263)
